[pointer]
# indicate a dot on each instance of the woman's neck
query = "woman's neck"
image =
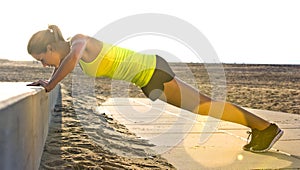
(63, 48)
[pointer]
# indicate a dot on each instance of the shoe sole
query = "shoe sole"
(276, 138)
(246, 148)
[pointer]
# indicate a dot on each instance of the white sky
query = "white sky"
(256, 31)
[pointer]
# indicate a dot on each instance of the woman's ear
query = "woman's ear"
(49, 48)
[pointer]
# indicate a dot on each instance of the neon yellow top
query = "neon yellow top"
(121, 64)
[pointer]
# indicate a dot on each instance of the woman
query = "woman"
(149, 72)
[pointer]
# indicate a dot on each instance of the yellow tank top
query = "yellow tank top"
(121, 64)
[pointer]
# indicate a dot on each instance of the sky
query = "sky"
(257, 31)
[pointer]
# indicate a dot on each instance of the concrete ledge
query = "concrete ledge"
(24, 119)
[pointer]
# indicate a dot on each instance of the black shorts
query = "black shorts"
(162, 74)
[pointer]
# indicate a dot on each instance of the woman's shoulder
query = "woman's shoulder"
(82, 37)
(78, 37)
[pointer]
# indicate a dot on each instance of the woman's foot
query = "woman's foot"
(262, 141)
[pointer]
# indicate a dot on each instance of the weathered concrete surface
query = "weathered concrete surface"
(24, 119)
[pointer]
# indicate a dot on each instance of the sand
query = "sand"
(81, 138)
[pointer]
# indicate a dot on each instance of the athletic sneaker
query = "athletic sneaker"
(254, 134)
(265, 139)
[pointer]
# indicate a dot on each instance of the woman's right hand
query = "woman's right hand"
(37, 83)
(33, 84)
(43, 83)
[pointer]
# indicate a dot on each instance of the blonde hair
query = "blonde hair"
(39, 41)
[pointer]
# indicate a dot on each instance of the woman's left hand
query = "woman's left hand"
(42, 83)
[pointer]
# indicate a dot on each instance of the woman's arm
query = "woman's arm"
(54, 71)
(68, 64)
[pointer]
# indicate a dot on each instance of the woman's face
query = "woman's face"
(49, 59)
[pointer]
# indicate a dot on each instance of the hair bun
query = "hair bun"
(57, 33)
(52, 28)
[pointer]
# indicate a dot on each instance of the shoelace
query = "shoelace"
(249, 134)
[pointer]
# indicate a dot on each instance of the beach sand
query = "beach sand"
(81, 138)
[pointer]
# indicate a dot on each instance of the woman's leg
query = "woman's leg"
(180, 94)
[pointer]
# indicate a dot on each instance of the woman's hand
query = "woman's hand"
(42, 83)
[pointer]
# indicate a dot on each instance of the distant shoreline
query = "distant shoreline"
(188, 63)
